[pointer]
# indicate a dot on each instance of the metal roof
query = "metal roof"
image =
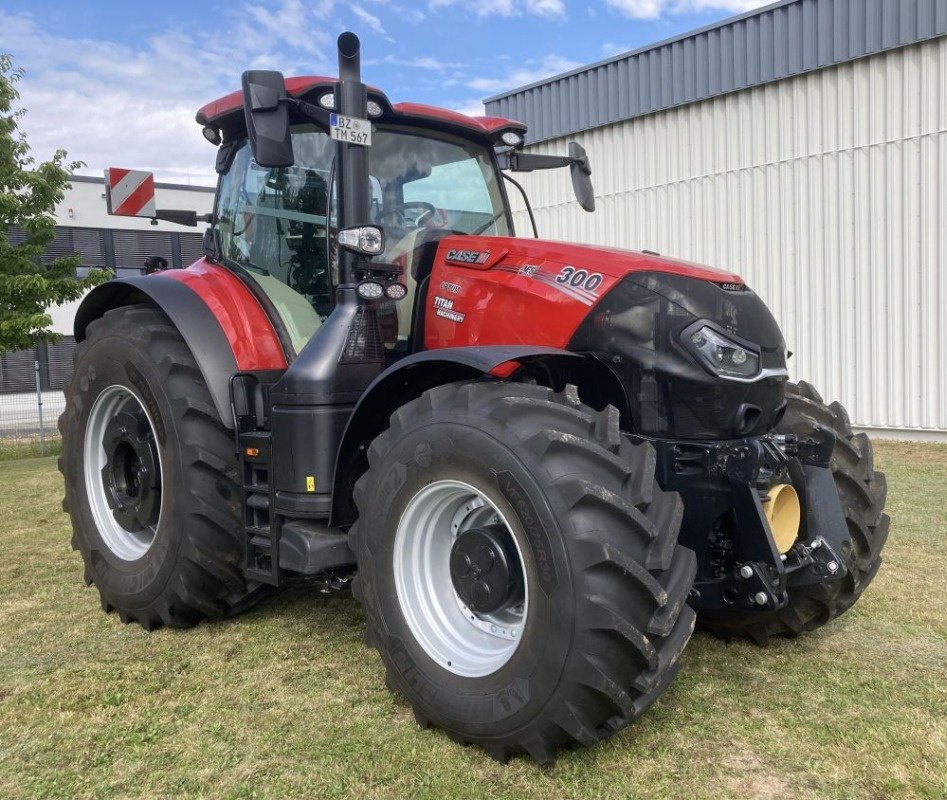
(778, 41)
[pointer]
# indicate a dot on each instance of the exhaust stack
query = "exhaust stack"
(351, 100)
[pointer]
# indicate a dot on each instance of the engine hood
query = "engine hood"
(610, 261)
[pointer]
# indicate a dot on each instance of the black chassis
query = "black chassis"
(723, 485)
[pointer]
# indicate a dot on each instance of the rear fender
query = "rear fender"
(218, 317)
(407, 380)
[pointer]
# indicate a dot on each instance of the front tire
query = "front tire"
(862, 492)
(151, 476)
(591, 635)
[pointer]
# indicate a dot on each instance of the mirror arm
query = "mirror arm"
(311, 111)
(527, 162)
(180, 217)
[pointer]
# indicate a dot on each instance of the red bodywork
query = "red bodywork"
(521, 293)
(227, 111)
(246, 325)
(524, 293)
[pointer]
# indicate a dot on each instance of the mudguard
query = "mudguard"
(406, 380)
(220, 320)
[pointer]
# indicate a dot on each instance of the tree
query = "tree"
(29, 193)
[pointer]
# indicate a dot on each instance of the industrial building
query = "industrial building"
(804, 146)
(122, 244)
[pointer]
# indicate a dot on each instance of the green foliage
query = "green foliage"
(29, 193)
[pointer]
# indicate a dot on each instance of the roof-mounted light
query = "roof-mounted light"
(512, 138)
(327, 100)
(374, 109)
(212, 135)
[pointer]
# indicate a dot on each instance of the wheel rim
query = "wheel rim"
(123, 473)
(450, 539)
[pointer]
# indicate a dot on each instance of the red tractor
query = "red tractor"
(536, 463)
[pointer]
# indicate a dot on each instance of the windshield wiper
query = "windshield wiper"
(487, 224)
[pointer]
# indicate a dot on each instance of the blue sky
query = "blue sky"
(117, 83)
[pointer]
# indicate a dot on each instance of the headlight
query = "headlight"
(723, 355)
(368, 240)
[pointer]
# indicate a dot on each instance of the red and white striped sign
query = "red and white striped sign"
(129, 192)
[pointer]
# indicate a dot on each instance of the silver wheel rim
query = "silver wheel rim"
(460, 640)
(127, 542)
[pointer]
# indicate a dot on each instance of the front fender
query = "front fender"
(407, 380)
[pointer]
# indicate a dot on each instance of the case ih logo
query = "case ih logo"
(733, 287)
(468, 256)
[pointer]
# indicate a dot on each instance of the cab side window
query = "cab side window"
(273, 224)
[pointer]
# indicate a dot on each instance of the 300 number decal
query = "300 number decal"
(580, 278)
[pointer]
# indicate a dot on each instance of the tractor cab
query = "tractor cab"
(417, 174)
(278, 226)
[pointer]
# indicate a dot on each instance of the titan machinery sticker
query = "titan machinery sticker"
(467, 256)
(445, 308)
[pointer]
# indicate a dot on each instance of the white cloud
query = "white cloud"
(373, 22)
(653, 9)
(425, 62)
(550, 9)
(472, 108)
(613, 49)
(736, 6)
(287, 24)
(111, 104)
(530, 73)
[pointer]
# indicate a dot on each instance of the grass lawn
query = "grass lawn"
(285, 701)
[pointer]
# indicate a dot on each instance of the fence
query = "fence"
(31, 393)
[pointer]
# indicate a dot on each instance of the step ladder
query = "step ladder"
(261, 554)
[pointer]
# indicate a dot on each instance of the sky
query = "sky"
(117, 83)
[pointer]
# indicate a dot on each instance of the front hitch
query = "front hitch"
(723, 486)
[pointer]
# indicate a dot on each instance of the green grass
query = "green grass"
(285, 701)
(12, 449)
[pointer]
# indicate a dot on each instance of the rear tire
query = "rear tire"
(605, 616)
(183, 563)
(862, 491)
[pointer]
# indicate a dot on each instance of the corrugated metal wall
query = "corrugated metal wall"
(768, 44)
(826, 191)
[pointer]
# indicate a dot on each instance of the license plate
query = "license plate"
(350, 129)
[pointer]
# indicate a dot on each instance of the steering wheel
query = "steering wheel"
(413, 214)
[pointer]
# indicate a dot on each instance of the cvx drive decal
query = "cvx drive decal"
(579, 284)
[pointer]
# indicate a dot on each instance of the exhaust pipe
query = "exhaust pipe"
(350, 60)
(351, 100)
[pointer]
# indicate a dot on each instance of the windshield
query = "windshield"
(423, 181)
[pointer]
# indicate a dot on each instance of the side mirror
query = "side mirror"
(267, 118)
(581, 172)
